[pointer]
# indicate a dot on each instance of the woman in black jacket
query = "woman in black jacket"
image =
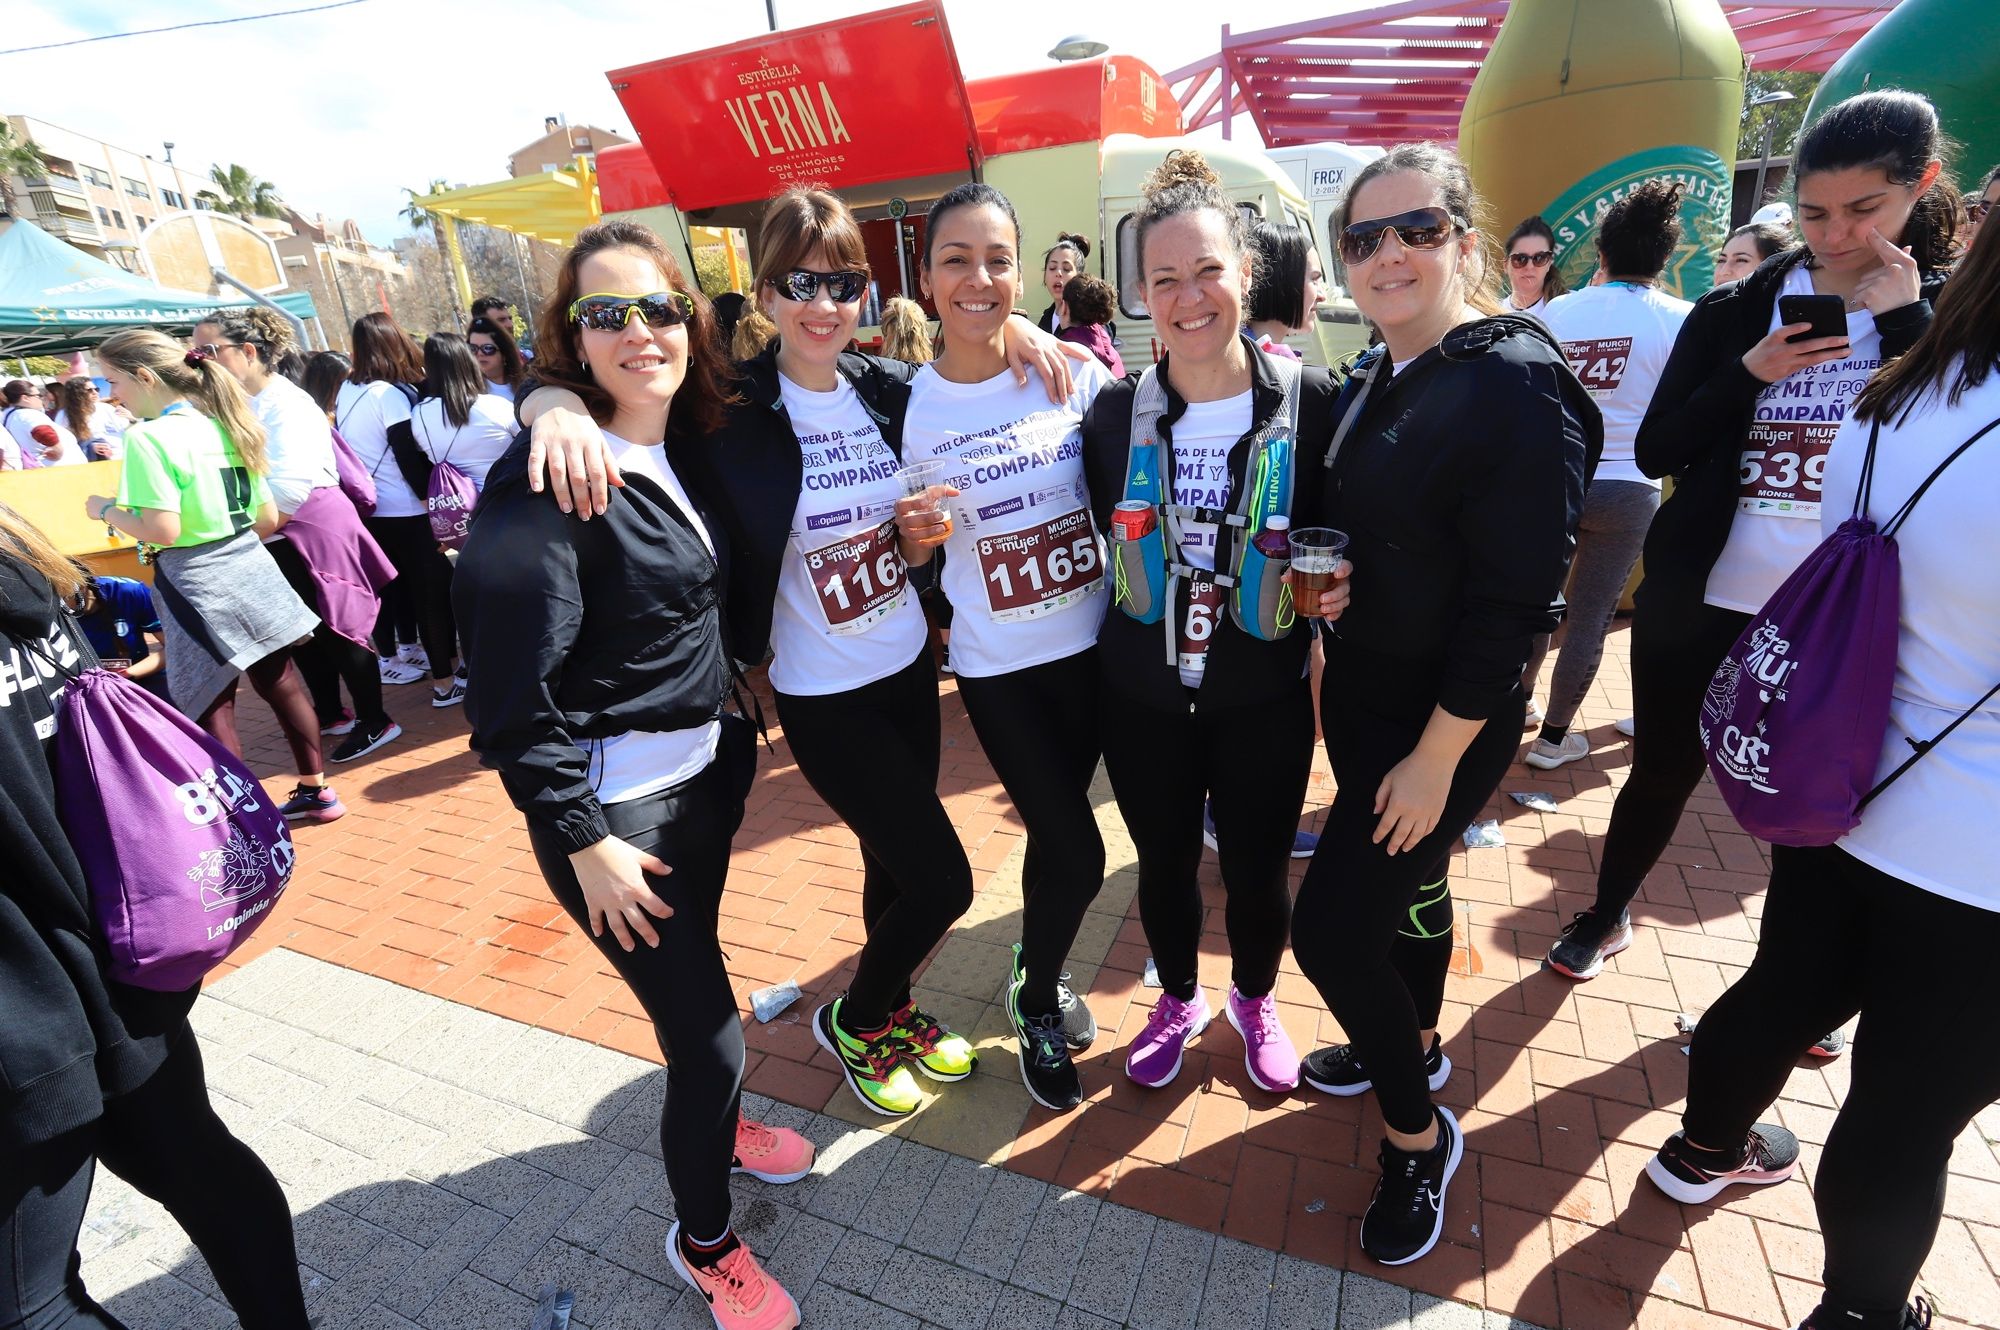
(90, 1069)
(602, 673)
(1194, 706)
(1741, 420)
(1468, 444)
(802, 476)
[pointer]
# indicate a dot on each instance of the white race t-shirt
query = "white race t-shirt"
(1933, 827)
(107, 434)
(1024, 567)
(299, 442)
(844, 616)
(503, 391)
(1784, 462)
(363, 412)
(473, 447)
(1538, 310)
(1202, 438)
(21, 422)
(641, 762)
(1617, 338)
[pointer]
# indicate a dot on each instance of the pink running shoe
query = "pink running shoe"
(774, 1154)
(1155, 1058)
(740, 1295)
(1267, 1050)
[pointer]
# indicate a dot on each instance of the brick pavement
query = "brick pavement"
(1563, 1089)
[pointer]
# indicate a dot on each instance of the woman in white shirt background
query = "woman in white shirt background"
(98, 426)
(459, 419)
(1899, 920)
(497, 356)
(1532, 279)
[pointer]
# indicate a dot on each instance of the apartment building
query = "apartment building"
(559, 147)
(97, 195)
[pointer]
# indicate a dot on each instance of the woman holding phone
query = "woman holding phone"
(1744, 413)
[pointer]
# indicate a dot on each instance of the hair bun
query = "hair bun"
(1182, 166)
(1076, 242)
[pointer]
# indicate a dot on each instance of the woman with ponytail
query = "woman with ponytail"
(192, 493)
(1064, 260)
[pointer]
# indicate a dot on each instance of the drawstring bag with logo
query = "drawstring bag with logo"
(355, 481)
(1794, 717)
(183, 851)
(450, 499)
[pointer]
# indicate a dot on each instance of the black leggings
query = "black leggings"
(1372, 930)
(1675, 649)
(278, 682)
(424, 575)
(1837, 937)
(1250, 764)
(872, 755)
(682, 983)
(330, 660)
(1039, 729)
(166, 1141)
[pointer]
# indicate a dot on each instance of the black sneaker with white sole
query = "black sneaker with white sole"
(1694, 1177)
(1046, 1067)
(1338, 1071)
(1910, 1316)
(1406, 1217)
(1079, 1027)
(1586, 944)
(364, 741)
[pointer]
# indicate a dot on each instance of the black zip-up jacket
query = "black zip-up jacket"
(1700, 415)
(70, 1038)
(1241, 669)
(583, 630)
(750, 472)
(1459, 488)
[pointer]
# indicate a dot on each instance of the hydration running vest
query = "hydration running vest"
(1147, 572)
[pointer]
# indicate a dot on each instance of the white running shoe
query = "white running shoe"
(412, 653)
(1545, 756)
(1624, 727)
(397, 671)
(1533, 719)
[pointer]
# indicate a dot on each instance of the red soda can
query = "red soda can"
(1132, 519)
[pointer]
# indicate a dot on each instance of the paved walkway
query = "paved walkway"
(1563, 1089)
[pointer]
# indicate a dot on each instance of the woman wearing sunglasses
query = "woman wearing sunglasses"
(602, 673)
(802, 474)
(1532, 277)
(498, 358)
(1468, 443)
(1194, 706)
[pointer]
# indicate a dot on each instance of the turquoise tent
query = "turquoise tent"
(54, 297)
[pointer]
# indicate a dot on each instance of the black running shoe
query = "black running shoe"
(1695, 1177)
(363, 741)
(1407, 1215)
(1079, 1027)
(1584, 946)
(1911, 1316)
(1046, 1067)
(1337, 1070)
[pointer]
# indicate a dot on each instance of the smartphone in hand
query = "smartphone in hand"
(1826, 314)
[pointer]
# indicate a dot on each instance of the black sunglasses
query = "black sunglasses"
(802, 284)
(1421, 228)
(487, 348)
(1540, 260)
(606, 312)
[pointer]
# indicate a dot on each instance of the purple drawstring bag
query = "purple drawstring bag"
(1794, 717)
(197, 852)
(355, 482)
(452, 495)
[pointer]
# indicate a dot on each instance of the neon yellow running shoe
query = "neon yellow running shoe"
(937, 1052)
(873, 1068)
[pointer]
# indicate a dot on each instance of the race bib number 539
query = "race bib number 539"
(857, 579)
(1784, 468)
(1041, 568)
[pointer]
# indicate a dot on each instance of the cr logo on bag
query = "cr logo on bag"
(205, 799)
(1744, 756)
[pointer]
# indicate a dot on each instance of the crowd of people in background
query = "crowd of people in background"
(586, 552)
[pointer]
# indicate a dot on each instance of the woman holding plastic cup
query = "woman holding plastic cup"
(993, 474)
(802, 477)
(1457, 475)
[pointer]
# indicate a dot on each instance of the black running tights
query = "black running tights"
(1675, 649)
(681, 983)
(872, 755)
(166, 1141)
(424, 576)
(1372, 930)
(1039, 729)
(330, 660)
(279, 683)
(1251, 764)
(1840, 937)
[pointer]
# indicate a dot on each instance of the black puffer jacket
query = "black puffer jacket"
(69, 1037)
(1701, 413)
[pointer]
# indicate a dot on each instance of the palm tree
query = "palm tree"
(243, 195)
(17, 157)
(421, 219)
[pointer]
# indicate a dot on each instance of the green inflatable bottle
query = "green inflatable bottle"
(1580, 100)
(1948, 50)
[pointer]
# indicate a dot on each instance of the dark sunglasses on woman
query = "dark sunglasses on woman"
(1539, 260)
(606, 312)
(486, 348)
(802, 284)
(1420, 228)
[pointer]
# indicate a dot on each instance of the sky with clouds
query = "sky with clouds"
(344, 108)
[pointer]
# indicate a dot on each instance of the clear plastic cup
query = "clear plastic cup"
(1316, 556)
(925, 480)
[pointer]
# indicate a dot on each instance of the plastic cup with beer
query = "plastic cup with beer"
(1316, 554)
(925, 480)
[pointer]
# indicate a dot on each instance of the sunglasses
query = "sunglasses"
(1540, 260)
(1422, 228)
(488, 348)
(802, 284)
(606, 312)
(210, 348)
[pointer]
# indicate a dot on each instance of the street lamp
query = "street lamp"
(1077, 46)
(1764, 161)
